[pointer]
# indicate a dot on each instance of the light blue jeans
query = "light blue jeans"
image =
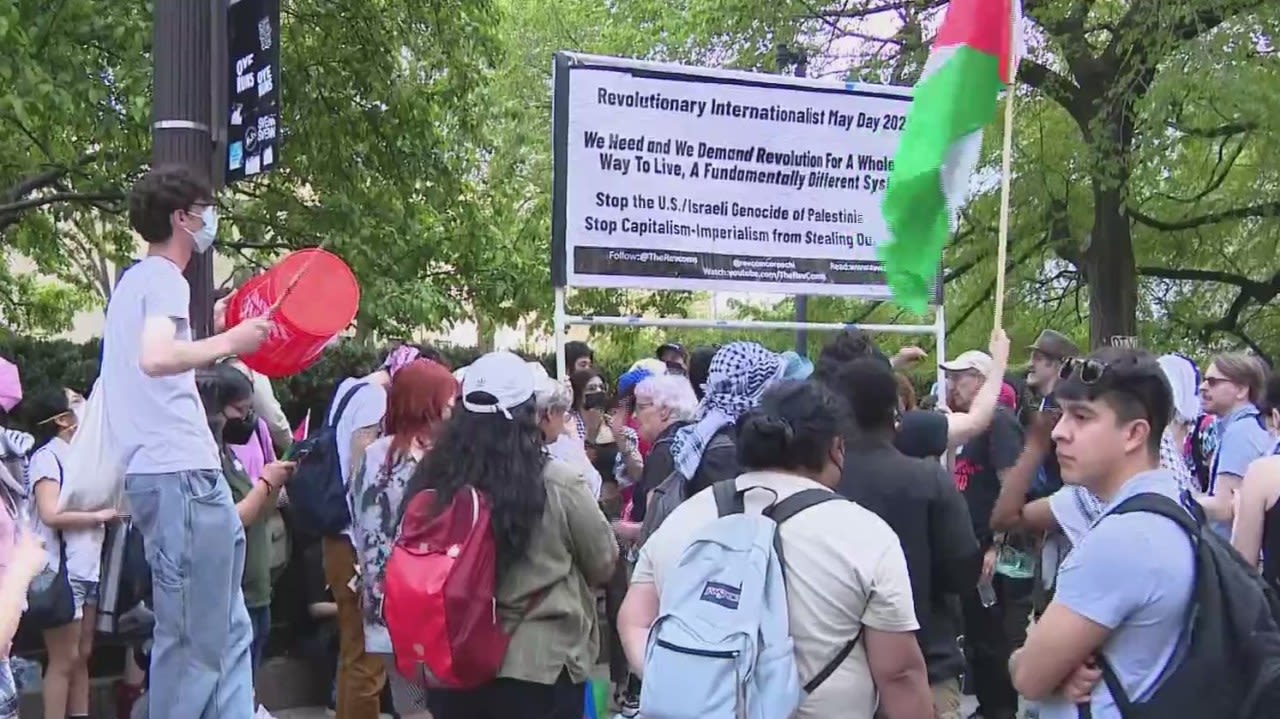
(200, 658)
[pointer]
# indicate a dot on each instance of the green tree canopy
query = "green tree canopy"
(418, 140)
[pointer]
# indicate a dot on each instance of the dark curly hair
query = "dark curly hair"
(793, 428)
(844, 348)
(159, 194)
(499, 457)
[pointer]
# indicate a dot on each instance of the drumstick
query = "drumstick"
(293, 283)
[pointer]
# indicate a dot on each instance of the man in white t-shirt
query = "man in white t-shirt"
(173, 477)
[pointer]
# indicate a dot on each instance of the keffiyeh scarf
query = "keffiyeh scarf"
(738, 377)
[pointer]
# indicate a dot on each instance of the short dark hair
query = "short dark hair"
(161, 192)
(845, 347)
(792, 428)
(870, 389)
(1271, 397)
(700, 365)
(574, 351)
(429, 352)
(41, 407)
(1132, 384)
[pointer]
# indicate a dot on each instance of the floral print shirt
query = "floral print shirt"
(377, 491)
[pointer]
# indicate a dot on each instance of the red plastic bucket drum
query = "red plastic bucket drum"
(320, 306)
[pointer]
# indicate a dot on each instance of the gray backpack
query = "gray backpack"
(673, 490)
(721, 646)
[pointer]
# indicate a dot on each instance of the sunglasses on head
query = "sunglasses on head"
(1088, 371)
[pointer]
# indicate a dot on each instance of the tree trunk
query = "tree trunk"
(1110, 269)
(486, 333)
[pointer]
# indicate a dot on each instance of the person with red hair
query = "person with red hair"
(421, 397)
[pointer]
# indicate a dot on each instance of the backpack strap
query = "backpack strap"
(728, 498)
(798, 502)
(781, 512)
(1178, 513)
(342, 403)
(1189, 516)
(62, 544)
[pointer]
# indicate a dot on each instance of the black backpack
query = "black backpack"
(1231, 665)
(318, 491)
(675, 489)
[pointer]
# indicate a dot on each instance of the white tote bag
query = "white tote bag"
(93, 477)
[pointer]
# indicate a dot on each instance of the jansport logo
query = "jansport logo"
(722, 594)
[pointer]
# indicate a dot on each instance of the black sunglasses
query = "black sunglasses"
(1088, 371)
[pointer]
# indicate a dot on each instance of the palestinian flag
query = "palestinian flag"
(303, 429)
(973, 58)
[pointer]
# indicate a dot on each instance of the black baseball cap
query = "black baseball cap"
(670, 347)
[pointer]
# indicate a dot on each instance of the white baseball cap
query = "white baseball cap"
(501, 374)
(975, 360)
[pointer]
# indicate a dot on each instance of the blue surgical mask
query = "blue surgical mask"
(205, 236)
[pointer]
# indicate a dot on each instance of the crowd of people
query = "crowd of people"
(983, 538)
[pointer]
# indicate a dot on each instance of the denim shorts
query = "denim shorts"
(85, 594)
(8, 692)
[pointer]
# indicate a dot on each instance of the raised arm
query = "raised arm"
(163, 354)
(964, 426)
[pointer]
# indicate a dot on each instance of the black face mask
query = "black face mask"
(239, 431)
(595, 400)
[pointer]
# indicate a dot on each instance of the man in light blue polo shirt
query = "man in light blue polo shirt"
(1231, 390)
(1123, 591)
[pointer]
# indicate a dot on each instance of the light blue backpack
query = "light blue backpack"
(721, 647)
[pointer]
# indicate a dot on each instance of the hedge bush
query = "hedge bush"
(59, 363)
(45, 363)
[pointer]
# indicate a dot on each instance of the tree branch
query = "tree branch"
(1141, 38)
(1195, 275)
(866, 12)
(1239, 334)
(1056, 87)
(1228, 130)
(1221, 169)
(1264, 209)
(1250, 292)
(31, 203)
(47, 177)
(1209, 15)
(250, 245)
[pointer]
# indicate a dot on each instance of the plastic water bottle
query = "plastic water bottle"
(986, 593)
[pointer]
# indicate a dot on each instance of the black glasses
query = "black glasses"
(1088, 371)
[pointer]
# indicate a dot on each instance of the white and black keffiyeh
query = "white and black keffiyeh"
(736, 380)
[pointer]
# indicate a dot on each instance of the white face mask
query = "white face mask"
(205, 236)
(77, 411)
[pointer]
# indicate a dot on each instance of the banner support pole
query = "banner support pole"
(559, 333)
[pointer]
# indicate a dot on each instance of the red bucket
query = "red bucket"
(321, 305)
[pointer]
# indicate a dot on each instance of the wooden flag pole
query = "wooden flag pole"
(1006, 164)
(1006, 155)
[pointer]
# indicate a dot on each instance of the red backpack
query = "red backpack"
(438, 601)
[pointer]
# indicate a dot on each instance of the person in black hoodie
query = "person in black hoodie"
(920, 502)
